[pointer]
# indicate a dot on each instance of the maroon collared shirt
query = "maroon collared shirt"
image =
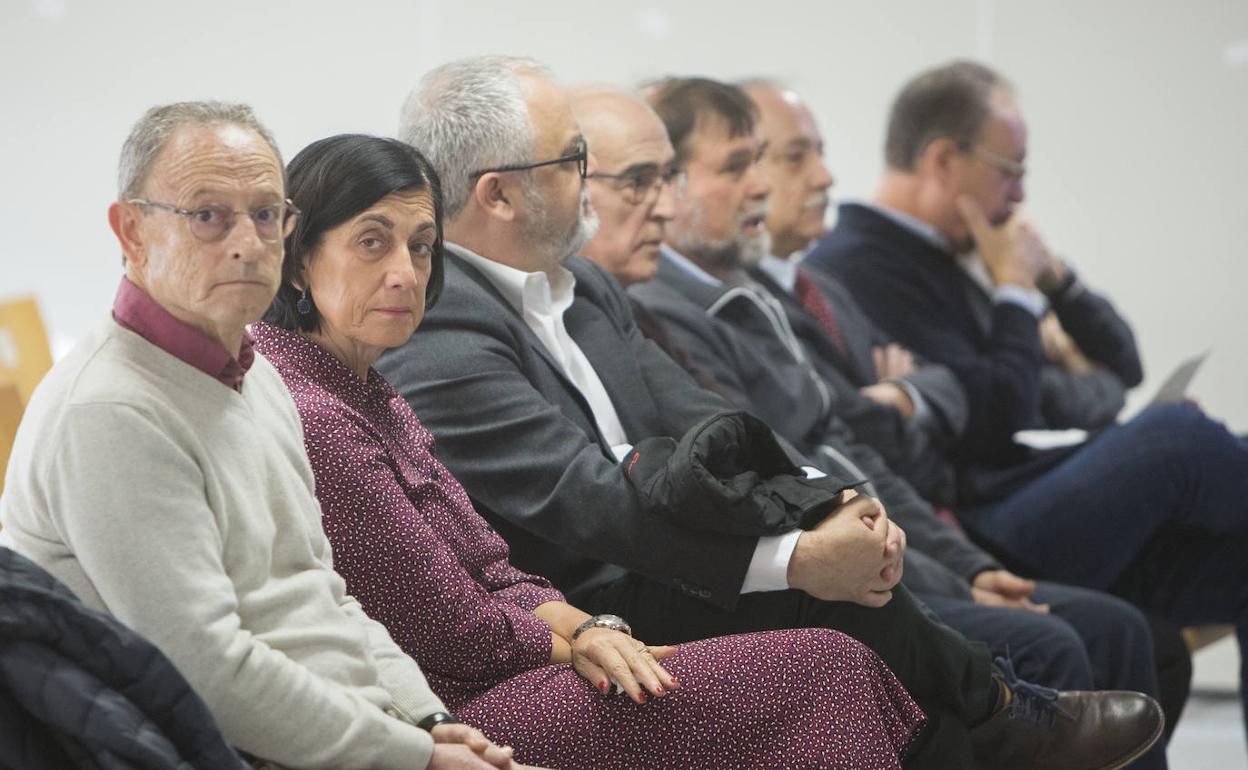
(136, 311)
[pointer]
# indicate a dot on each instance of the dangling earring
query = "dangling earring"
(304, 305)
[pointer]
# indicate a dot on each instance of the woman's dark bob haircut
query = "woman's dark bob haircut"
(333, 180)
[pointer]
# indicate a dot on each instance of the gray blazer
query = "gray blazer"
(918, 450)
(522, 440)
(740, 346)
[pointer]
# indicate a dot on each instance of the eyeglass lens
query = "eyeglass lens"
(214, 222)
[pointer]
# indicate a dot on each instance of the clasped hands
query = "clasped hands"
(855, 554)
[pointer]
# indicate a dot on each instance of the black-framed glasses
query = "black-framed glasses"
(646, 184)
(581, 157)
(213, 222)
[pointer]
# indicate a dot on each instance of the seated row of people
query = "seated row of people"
(795, 346)
(193, 509)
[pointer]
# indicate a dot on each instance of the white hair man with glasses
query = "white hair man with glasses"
(160, 472)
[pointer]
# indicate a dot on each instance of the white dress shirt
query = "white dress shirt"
(541, 299)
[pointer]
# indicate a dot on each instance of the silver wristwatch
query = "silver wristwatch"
(613, 622)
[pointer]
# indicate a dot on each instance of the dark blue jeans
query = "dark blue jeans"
(1154, 510)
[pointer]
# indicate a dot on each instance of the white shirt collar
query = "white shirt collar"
(782, 271)
(545, 294)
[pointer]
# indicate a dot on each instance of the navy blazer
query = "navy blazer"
(916, 292)
(522, 439)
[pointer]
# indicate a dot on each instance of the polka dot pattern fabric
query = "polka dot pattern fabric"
(423, 563)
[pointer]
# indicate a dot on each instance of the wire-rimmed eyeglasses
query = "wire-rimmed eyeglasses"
(214, 221)
(647, 183)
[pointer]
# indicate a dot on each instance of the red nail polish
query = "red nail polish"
(603, 685)
(641, 697)
(674, 682)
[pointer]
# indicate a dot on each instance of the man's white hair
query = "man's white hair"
(150, 135)
(469, 115)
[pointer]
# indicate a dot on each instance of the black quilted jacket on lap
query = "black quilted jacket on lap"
(729, 474)
(80, 690)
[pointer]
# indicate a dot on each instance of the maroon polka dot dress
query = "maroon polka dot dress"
(426, 565)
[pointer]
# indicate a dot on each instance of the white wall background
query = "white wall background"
(1138, 112)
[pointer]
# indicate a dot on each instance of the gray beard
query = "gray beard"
(546, 236)
(744, 252)
(753, 248)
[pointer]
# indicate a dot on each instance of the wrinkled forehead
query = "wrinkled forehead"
(625, 133)
(199, 160)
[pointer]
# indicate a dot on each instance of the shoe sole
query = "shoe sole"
(1138, 752)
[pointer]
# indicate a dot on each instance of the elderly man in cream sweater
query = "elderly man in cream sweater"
(160, 472)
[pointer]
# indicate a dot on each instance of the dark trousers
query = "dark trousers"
(1088, 641)
(1154, 510)
(949, 677)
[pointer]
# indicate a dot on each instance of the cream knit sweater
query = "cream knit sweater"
(187, 510)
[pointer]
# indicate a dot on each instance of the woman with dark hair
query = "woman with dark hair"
(500, 646)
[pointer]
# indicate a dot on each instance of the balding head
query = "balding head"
(794, 165)
(633, 156)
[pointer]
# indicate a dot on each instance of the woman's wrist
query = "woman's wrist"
(612, 622)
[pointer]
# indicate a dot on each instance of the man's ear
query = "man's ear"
(125, 220)
(940, 160)
(496, 195)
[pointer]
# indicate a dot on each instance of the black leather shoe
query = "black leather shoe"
(1045, 729)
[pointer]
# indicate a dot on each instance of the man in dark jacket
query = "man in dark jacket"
(742, 334)
(533, 376)
(1153, 509)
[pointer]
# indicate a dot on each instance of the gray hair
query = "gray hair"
(150, 135)
(468, 115)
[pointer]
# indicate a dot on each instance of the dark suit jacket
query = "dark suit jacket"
(1094, 399)
(522, 440)
(914, 449)
(726, 332)
(916, 293)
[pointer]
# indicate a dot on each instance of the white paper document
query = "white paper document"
(1174, 389)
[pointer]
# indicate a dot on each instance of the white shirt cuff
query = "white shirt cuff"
(1032, 301)
(769, 569)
